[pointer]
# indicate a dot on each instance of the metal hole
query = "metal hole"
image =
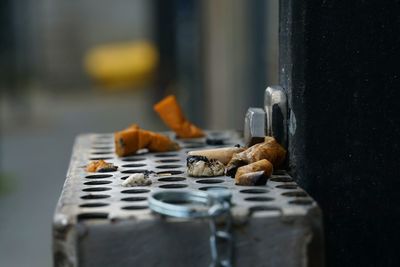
(169, 166)
(215, 141)
(205, 188)
(172, 179)
(98, 182)
(101, 153)
(169, 186)
(295, 194)
(259, 199)
(210, 181)
(134, 171)
(131, 199)
(133, 165)
(168, 160)
(263, 208)
(287, 186)
(130, 159)
(134, 207)
(135, 191)
(100, 158)
(91, 196)
(169, 172)
(92, 216)
(216, 133)
(94, 205)
(96, 189)
(126, 177)
(98, 176)
(166, 155)
(282, 179)
(189, 142)
(301, 202)
(107, 170)
(253, 191)
(279, 172)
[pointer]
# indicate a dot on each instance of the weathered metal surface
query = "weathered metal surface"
(98, 222)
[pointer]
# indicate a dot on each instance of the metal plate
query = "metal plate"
(98, 198)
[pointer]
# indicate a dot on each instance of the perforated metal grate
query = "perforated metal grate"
(101, 195)
(93, 198)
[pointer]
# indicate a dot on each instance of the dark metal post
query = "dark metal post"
(339, 62)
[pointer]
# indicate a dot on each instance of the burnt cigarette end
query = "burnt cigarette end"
(252, 178)
(231, 169)
(258, 178)
(193, 159)
(200, 166)
(109, 168)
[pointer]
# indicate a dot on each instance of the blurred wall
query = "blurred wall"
(59, 32)
(240, 57)
(220, 57)
(222, 53)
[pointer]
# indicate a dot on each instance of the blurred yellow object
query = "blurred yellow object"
(120, 65)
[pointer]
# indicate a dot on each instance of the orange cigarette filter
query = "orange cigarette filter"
(100, 165)
(130, 140)
(95, 165)
(171, 113)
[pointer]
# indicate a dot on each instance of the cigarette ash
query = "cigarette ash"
(137, 179)
(200, 166)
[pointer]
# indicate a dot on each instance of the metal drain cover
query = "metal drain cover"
(98, 222)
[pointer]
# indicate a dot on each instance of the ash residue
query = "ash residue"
(193, 159)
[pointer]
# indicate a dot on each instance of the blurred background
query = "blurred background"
(71, 67)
